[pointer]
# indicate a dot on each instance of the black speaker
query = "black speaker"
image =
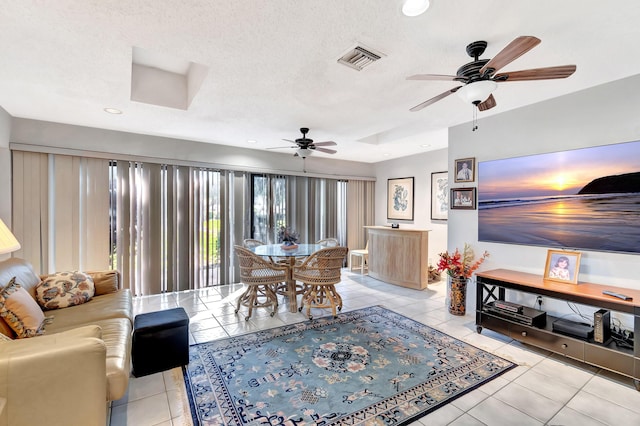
(602, 326)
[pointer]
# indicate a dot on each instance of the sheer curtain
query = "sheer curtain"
(61, 211)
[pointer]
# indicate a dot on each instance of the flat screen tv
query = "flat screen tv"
(585, 199)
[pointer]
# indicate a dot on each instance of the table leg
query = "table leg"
(291, 286)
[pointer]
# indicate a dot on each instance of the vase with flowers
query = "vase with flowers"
(288, 238)
(459, 267)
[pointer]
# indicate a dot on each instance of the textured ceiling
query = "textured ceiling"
(272, 65)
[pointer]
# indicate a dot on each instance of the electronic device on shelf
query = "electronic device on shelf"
(601, 326)
(572, 328)
(508, 306)
(526, 315)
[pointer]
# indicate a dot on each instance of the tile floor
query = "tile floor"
(543, 389)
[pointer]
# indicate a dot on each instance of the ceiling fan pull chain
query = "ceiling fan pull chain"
(475, 119)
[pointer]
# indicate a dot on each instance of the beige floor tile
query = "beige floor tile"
(143, 412)
(494, 412)
(569, 417)
(602, 410)
(529, 402)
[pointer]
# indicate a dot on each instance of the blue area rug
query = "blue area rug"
(370, 366)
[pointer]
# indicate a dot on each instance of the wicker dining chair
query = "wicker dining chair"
(261, 278)
(251, 243)
(320, 272)
(328, 242)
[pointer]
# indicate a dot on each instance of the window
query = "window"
(314, 208)
(165, 226)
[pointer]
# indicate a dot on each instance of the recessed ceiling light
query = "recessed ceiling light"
(425, 145)
(112, 111)
(415, 7)
(251, 141)
(387, 154)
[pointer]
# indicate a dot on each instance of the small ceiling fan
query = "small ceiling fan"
(305, 146)
(480, 78)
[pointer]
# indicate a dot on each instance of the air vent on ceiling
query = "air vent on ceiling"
(359, 57)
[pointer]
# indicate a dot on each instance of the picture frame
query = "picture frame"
(562, 266)
(463, 198)
(465, 170)
(400, 198)
(439, 195)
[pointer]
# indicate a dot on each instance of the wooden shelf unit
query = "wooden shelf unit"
(492, 285)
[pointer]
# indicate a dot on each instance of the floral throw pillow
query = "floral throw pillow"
(20, 311)
(65, 289)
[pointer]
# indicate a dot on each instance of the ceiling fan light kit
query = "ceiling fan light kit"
(304, 152)
(415, 7)
(477, 92)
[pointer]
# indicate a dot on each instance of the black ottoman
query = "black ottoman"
(160, 341)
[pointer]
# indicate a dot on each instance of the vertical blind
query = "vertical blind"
(166, 227)
(61, 211)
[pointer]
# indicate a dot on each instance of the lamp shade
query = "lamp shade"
(8, 242)
(476, 92)
(304, 152)
(415, 7)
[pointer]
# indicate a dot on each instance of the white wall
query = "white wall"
(420, 168)
(602, 115)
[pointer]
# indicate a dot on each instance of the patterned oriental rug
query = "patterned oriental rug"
(370, 366)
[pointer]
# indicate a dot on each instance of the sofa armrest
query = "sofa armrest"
(57, 379)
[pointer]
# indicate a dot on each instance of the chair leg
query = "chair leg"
(250, 299)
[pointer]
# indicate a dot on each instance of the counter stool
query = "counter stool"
(160, 341)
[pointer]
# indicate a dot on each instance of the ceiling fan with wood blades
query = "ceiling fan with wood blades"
(305, 146)
(480, 76)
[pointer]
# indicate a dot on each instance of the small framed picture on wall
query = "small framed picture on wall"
(463, 198)
(465, 169)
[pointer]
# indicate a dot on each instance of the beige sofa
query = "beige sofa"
(68, 375)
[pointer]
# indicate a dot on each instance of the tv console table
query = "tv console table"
(491, 286)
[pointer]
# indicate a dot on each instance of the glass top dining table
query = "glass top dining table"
(276, 250)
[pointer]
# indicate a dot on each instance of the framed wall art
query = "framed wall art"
(439, 195)
(463, 198)
(562, 266)
(400, 199)
(465, 169)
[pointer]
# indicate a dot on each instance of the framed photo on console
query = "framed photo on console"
(562, 266)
